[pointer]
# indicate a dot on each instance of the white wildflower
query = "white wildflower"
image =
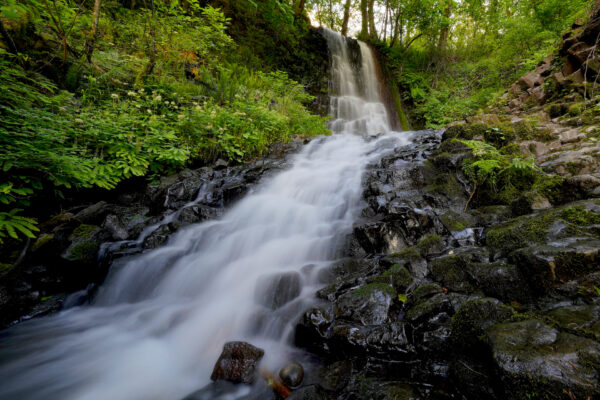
(114, 96)
(158, 98)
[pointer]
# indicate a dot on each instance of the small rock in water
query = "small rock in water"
(237, 363)
(292, 375)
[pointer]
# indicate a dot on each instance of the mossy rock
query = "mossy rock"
(536, 361)
(524, 129)
(579, 215)
(580, 319)
(474, 316)
(42, 241)
(500, 280)
(425, 291)
(452, 272)
(82, 252)
(427, 308)
(84, 231)
(429, 244)
(546, 266)
(446, 184)
(519, 233)
(398, 276)
(557, 110)
(4, 268)
(499, 136)
(457, 222)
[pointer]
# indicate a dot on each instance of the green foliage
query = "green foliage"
(491, 44)
(166, 87)
(16, 226)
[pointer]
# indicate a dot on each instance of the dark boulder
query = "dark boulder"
(532, 357)
(237, 363)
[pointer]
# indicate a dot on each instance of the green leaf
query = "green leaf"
(402, 298)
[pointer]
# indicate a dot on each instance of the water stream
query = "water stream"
(159, 322)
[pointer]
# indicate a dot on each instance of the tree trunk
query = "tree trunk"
(94, 31)
(396, 29)
(364, 32)
(372, 28)
(443, 41)
(346, 17)
(299, 7)
(385, 20)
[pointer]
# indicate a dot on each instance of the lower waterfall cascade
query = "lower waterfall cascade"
(159, 321)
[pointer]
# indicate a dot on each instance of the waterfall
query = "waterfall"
(356, 104)
(161, 318)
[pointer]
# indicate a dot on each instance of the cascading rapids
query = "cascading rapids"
(159, 322)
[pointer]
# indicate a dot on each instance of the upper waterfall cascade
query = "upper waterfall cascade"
(159, 322)
(356, 104)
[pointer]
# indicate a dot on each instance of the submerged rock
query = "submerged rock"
(237, 363)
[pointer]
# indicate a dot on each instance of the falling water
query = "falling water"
(159, 322)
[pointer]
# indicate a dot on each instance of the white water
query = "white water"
(161, 319)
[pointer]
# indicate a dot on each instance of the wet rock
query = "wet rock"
(368, 305)
(311, 392)
(158, 237)
(500, 280)
(275, 290)
(546, 265)
(371, 388)
(113, 225)
(473, 317)
(237, 363)
(292, 375)
(336, 376)
(532, 357)
(93, 214)
(397, 276)
(582, 319)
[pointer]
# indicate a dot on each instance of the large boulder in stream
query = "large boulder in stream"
(237, 363)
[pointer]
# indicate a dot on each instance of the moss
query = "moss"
(429, 243)
(578, 215)
(576, 109)
(551, 187)
(85, 251)
(445, 184)
(368, 290)
(557, 110)
(524, 129)
(572, 168)
(4, 268)
(519, 233)
(398, 276)
(410, 254)
(85, 231)
(451, 272)
(41, 241)
(424, 291)
(499, 136)
(511, 149)
(474, 316)
(454, 222)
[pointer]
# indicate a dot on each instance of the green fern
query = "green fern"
(13, 225)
